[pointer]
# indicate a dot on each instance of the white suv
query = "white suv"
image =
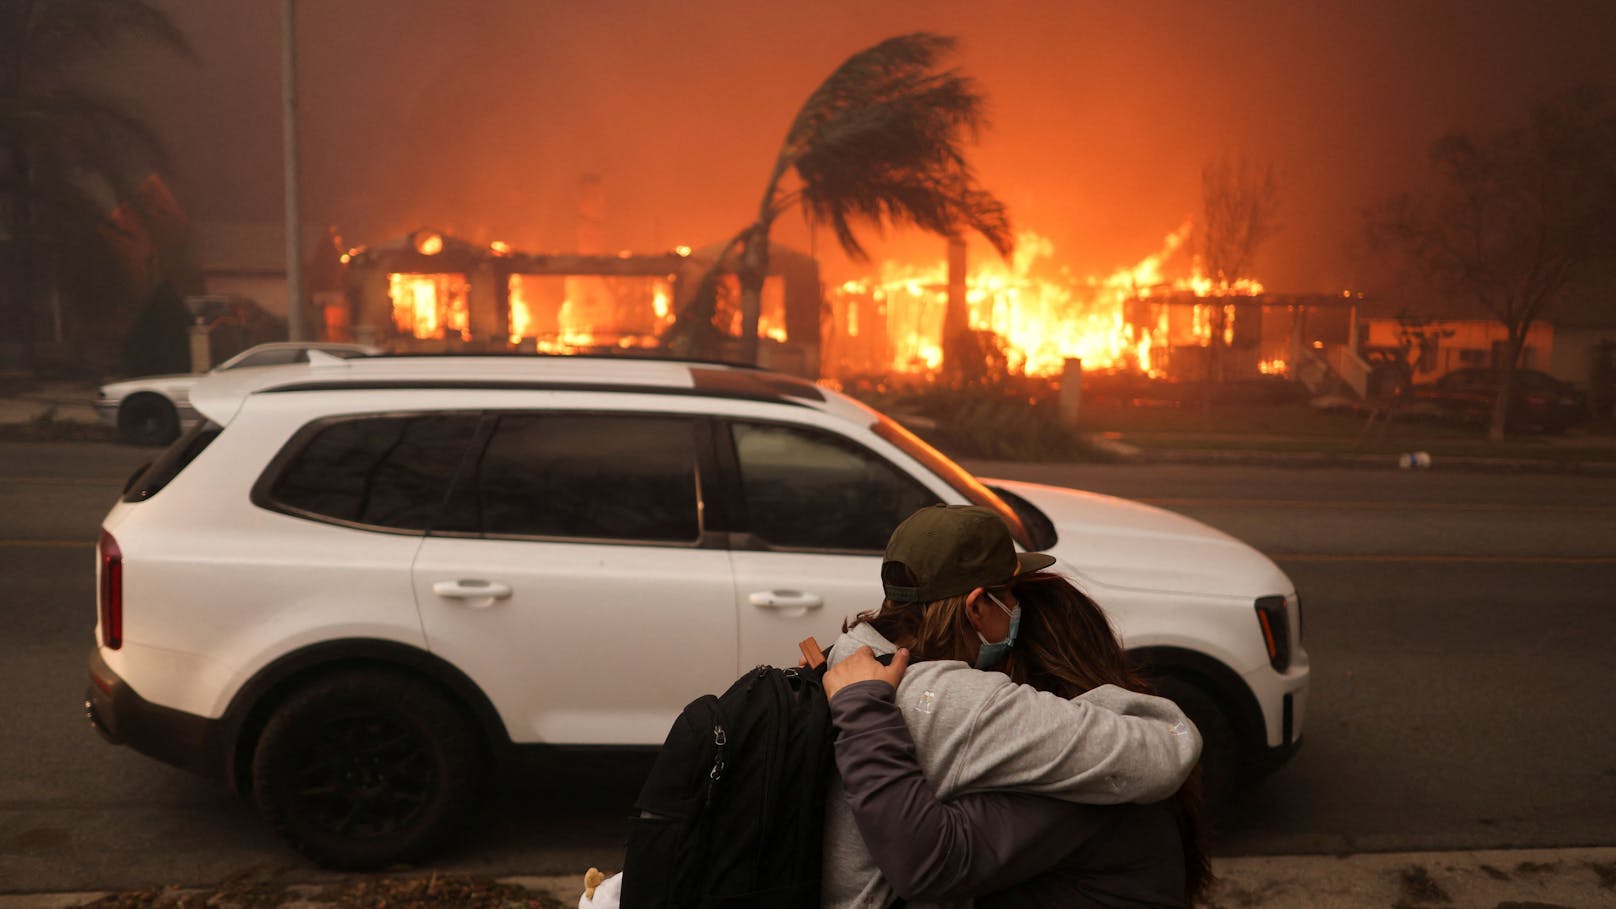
(357, 584)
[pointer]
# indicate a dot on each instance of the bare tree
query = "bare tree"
(881, 141)
(1509, 219)
(1239, 202)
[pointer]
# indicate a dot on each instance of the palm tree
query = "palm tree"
(880, 141)
(64, 148)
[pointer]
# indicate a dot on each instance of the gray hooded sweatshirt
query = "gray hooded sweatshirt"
(976, 731)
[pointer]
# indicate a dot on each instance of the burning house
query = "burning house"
(1137, 319)
(433, 292)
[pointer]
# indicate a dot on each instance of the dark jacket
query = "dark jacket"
(1001, 848)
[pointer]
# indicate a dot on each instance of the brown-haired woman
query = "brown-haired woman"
(1013, 848)
(941, 728)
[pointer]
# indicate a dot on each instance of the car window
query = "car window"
(965, 484)
(810, 489)
(1534, 381)
(159, 473)
(278, 356)
(390, 471)
(590, 476)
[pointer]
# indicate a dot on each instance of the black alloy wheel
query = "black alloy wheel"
(366, 769)
(148, 419)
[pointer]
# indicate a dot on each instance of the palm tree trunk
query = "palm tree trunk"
(752, 272)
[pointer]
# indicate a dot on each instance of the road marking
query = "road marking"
(1378, 506)
(44, 544)
(1443, 559)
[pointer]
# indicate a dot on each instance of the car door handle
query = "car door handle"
(472, 589)
(786, 599)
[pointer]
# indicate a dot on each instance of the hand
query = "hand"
(862, 666)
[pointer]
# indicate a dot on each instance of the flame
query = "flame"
(1274, 367)
(587, 311)
(430, 306)
(428, 243)
(1044, 314)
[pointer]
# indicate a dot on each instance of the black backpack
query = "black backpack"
(733, 810)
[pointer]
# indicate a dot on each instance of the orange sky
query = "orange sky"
(480, 117)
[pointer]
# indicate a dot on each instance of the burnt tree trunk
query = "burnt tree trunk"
(1498, 427)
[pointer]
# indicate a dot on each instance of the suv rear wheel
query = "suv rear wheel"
(365, 769)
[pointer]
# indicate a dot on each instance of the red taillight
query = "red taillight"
(111, 591)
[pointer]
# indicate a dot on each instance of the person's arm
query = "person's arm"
(980, 731)
(932, 850)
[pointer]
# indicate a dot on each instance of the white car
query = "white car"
(152, 410)
(357, 584)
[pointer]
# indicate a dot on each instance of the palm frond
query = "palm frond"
(881, 141)
(63, 33)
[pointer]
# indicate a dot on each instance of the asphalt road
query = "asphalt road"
(1460, 627)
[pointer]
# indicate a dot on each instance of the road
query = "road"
(1460, 627)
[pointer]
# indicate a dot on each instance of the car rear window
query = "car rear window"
(383, 471)
(159, 473)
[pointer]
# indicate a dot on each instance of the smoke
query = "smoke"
(480, 119)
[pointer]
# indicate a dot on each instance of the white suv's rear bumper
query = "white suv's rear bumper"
(175, 737)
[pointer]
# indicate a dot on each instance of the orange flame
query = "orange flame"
(430, 306)
(583, 312)
(1044, 314)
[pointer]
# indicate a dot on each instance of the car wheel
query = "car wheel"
(366, 769)
(148, 419)
(1220, 748)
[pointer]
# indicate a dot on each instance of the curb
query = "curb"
(1370, 461)
(1539, 878)
(1120, 451)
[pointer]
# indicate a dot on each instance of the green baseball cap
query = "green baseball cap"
(946, 550)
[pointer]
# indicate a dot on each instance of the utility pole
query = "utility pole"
(294, 240)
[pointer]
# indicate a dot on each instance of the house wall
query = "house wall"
(1463, 343)
(267, 290)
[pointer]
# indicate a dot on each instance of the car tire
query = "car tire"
(366, 769)
(148, 419)
(1220, 747)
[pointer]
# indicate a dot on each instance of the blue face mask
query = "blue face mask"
(994, 652)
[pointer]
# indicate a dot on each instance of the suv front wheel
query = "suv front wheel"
(365, 769)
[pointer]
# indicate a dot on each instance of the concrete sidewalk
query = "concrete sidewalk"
(1580, 878)
(69, 402)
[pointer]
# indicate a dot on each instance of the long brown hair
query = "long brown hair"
(1067, 646)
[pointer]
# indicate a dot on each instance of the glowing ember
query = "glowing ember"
(1043, 314)
(430, 306)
